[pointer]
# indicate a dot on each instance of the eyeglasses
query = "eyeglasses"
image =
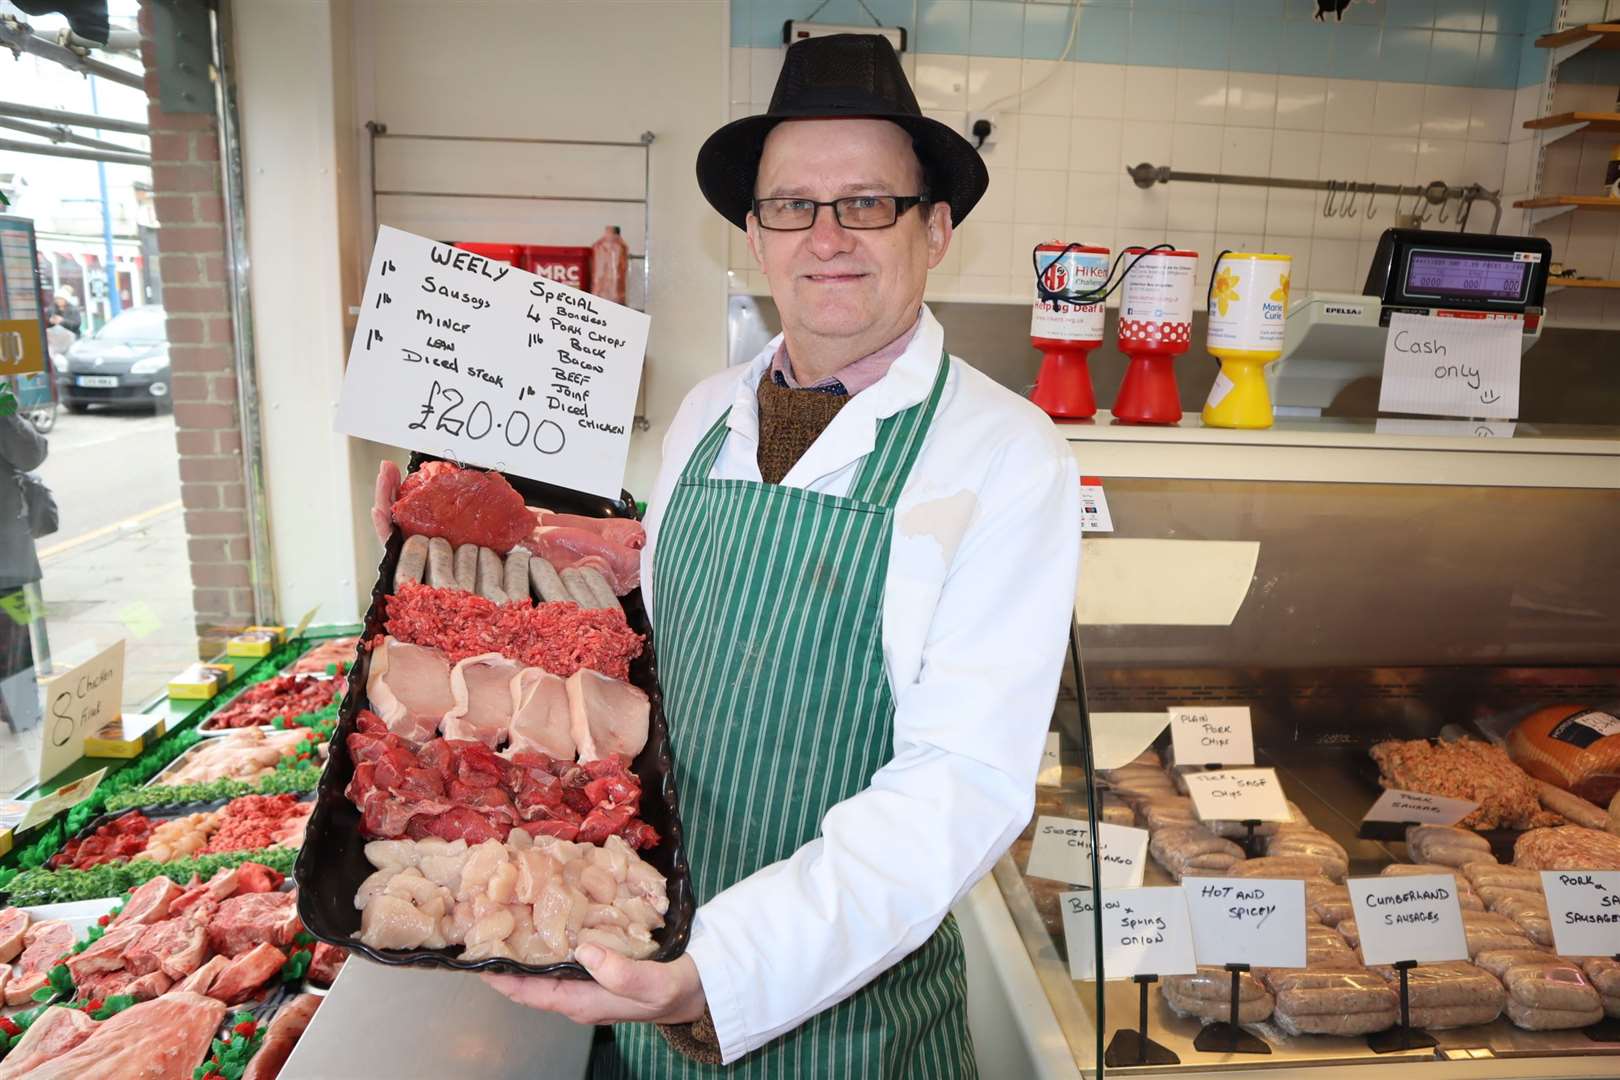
(852, 212)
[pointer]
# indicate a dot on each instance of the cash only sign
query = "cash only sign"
(485, 364)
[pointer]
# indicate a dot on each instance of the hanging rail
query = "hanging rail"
(1347, 193)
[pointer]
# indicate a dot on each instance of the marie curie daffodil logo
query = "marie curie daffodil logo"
(1225, 292)
(1280, 293)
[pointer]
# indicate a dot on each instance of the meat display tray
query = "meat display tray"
(206, 731)
(160, 814)
(332, 864)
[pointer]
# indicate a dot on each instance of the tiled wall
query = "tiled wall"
(1402, 91)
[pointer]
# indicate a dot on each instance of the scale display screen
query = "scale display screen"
(1469, 275)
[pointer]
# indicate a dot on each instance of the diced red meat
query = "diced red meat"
(247, 973)
(457, 823)
(325, 962)
(149, 903)
(369, 723)
(117, 840)
(492, 802)
(285, 695)
(603, 822)
(248, 919)
(252, 877)
(639, 835)
(465, 506)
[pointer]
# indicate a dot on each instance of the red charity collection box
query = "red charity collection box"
(569, 265)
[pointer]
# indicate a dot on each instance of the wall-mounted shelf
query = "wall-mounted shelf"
(1581, 283)
(1589, 202)
(1566, 43)
(1558, 125)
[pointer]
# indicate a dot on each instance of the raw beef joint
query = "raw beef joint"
(465, 506)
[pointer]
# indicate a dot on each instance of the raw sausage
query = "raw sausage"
(1446, 985)
(1354, 1023)
(1499, 961)
(412, 561)
(1575, 808)
(491, 576)
(1551, 984)
(599, 588)
(547, 585)
(1533, 1019)
(578, 590)
(441, 564)
(1297, 867)
(1444, 1017)
(1188, 847)
(1336, 992)
(516, 582)
(1485, 875)
(467, 567)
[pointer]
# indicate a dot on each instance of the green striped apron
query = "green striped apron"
(769, 630)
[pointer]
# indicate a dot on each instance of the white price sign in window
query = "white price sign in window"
(1413, 917)
(1238, 795)
(1254, 921)
(1585, 909)
(1061, 851)
(1212, 735)
(1144, 931)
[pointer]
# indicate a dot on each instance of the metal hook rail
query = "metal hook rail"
(1342, 195)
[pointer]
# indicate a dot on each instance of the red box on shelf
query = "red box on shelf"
(569, 265)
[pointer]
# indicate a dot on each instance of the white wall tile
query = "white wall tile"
(1398, 108)
(1590, 252)
(1139, 209)
(1445, 111)
(1146, 140)
(1485, 163)
(1022, 240)
(992, 79)
(1518, 175)
(1301, 102)
(997, 204)
(1334, 266)
(1236, 241)
(1192, 206)
(1099, 90)
(984, 247)
(1492, 115)
(764, 66)
(951, 264)
(1241, 209)
(1299, 253)
(1251, 100)
(1095, 146)
(1048, 88)
(1344, 157)
(1350, 104)
(1392, 161)
(1197, 147)
(1442, 159)
(954, 119)
(1150, 93)
(1291, 213)
(941, 81)
(1003, 150)
(1093, 198)
(742, 75)
(1043, 142)
(1041, 195)
(1200, 96)
(1245, 150)
(1296, 155)
(1527, 104)
(984, 286)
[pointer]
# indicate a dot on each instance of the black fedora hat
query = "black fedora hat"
(840, 75)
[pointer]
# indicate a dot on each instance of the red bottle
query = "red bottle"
(610, 260)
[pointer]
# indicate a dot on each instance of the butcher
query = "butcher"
(860, 566)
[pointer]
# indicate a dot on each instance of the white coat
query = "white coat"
(977, 603)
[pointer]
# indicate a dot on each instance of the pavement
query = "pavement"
(117, 567)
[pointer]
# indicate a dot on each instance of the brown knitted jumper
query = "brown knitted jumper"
(789, 421)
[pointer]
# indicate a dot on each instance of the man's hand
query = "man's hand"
(624, 990)
(382, 506)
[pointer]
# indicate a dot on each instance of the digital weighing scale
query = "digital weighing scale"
(1333, 339)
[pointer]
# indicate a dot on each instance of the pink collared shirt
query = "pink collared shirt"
(853, 377)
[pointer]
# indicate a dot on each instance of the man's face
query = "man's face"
(836, 282)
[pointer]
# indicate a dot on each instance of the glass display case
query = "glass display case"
(1349, 586)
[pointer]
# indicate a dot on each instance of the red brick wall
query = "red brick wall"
(208, 429)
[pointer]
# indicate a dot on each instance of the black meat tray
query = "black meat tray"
(332, 864)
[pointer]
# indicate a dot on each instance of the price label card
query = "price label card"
(68, 795)
(1094, 516)
(1051, 774)
(1144, 932)
(1255, 921)
(478, 361)
(1214, 735)
(79, 701)
(1585, 910)
(1079, 933)
(1452, 367)
(1062, 852)
(1238, 795)
(1416, 808)
(1408, 918)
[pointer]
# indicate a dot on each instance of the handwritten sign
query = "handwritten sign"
(1585, 910)
(22, 347)
(1452, 367)
(303, 624)
(1238, 795)
(1062, 852)
(1408, 918)
(1051, 774)
(1217, 735)
(477, 361)
(78, 701)
(1255, 921)
(63, 798)
(1144, 932)
(1416, 808)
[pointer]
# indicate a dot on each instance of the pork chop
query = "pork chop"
(107, 954)
(162, 1039)
(247, 919)
(13, 925)
(247, 973)
(409, 688)
(606, 715)
(540, 718)
(149, 903)
(55, 1032)
(202, 980)
(482, 687)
